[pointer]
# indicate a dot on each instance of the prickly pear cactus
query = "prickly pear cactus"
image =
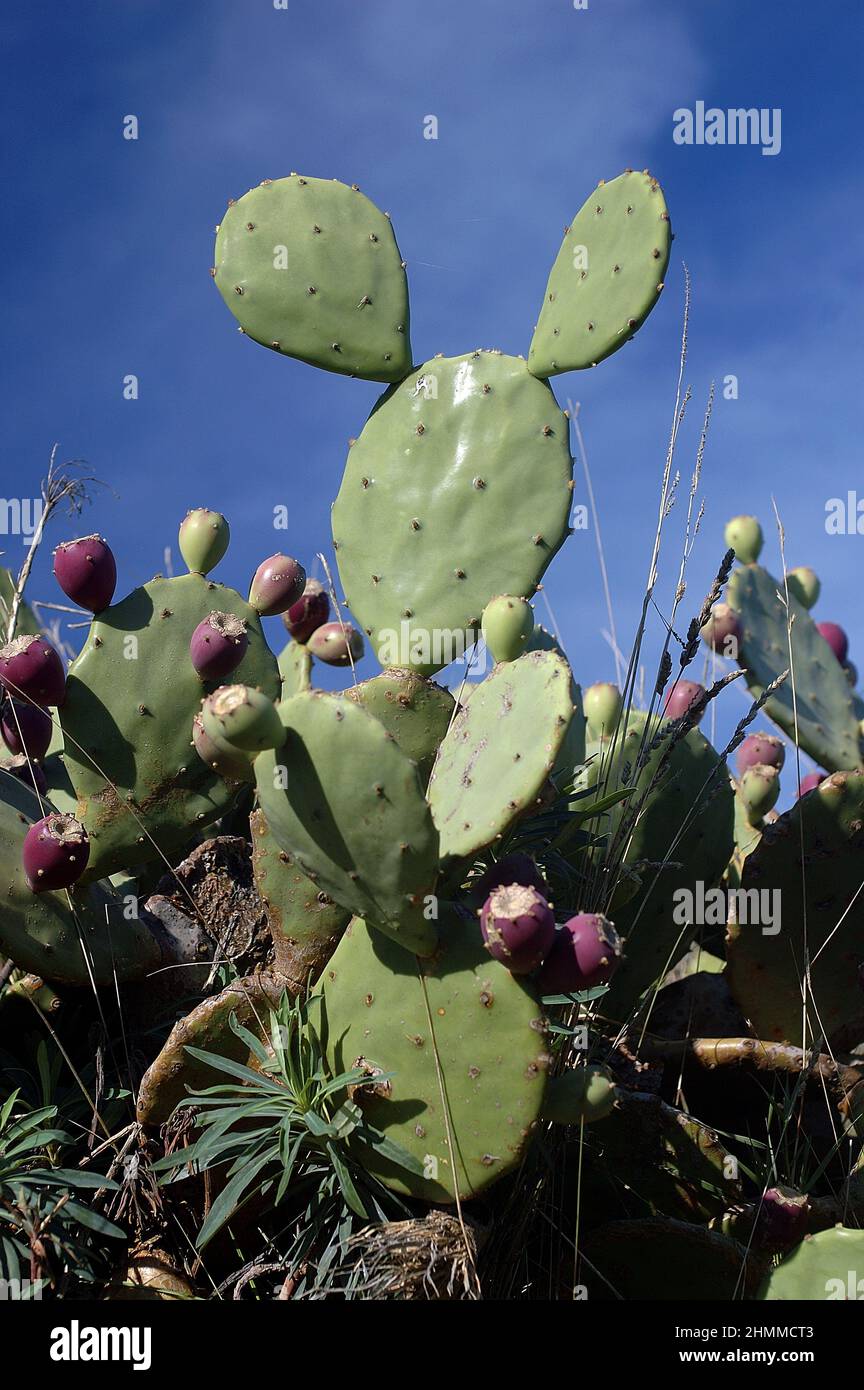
(820, 906)
(310, 268)
(131, 696)
(416, 711)
(827, 727)
(826, 1266)
(607, 277)
(295, 668)
(346, 803)
(77, 938)
(572, 753)
(458, 489)
(688, 798)
(304, 922)
(460, 1012)
(499, 751)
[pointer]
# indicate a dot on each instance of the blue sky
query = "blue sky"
(108, 244)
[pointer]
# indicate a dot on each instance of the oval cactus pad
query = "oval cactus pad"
(310, 268)
(607, 276)
(458, 489)
(499, 751)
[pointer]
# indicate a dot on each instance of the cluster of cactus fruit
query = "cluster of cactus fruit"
(388, 816)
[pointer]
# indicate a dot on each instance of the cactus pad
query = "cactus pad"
(414, 710)
(827, 726)
(131, 696)
(606, 278)
(352, 814)
(458, 489)
(488, 1030)
(310, 268)
(295, 668)
(765, 971)
(500, 750)
(826, 1266)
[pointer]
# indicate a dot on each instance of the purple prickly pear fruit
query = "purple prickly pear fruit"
(31, 670)
(681, 697)
(761, 748)
(811, 782)
(229, 763)
(310, 612)
(278, 583)
(759, 789)
(836, 639)
(26, 729)
(86, 572)
(602, 704)
(518, 927)
(28, 772)
(586, 953)
(218, 645)
(722, 632)
(203, 539)
(55, 852)
(804, 585)
(782, 1219)
(513, 868)
(336, 643)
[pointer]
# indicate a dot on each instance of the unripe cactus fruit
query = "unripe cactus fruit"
(218, 645)
(759, 789)
(586, 953)
(26, 729)
(804, 585)
(507, 625)
(811, 782)
(513, 868)
(602, 704)
(722, 632)
(203, 539)
(681, 697)
(743, 534)
(229, 763)
(242, 718)
(30, 669)
(336, 643)
(310, 611)
(518, 927)
(761, 748)
(86, 571)
(579, 1094)
(55, 852)
(836, 639)
(278, 583)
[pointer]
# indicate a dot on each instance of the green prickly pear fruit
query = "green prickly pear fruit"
(804, 585)
(229, 763)
(579, 1094)
(203, 539)
(507, 626)
(237, 716)
(337, 644)
(743, 534)
(759, 789)
(602, 704)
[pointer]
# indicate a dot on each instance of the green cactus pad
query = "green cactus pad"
(765, 971)
(488, 1030)
(654, 940)
(416, 711)
(352, 814)
(79, 938)
(310, 267)
(667, 1261)
(826, 723)
(304, 922)
(826, 1266)
(572, 753)
(295, 668)
(606, 278)
(499, 752)
(132, 715)
(458, 489)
